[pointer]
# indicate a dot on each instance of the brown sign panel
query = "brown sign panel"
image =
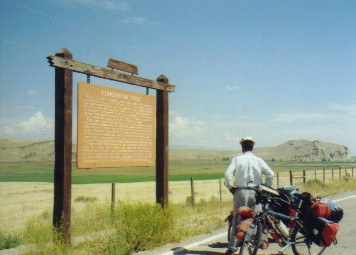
(116, 128)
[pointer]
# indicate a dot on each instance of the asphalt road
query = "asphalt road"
(216, 243)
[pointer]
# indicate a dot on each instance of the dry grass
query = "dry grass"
(21, 201)
(95, 216)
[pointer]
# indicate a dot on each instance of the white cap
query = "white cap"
(247, 139)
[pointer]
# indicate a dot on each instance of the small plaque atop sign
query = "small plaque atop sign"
(116, 128)
(123, 66)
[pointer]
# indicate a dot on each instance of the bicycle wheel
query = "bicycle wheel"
(229, 233)
(252, 238)
(301, 245)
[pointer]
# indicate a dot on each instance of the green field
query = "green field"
(179, 170)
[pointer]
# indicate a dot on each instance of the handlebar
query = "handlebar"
(268, 190)
(264, 189)
(303, 196)
(266, 195)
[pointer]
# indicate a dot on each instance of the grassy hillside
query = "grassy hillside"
(13, 150)
(296, 150)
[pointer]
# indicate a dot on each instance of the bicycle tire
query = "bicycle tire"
(250, 247)
(229, 233)
(301, 245)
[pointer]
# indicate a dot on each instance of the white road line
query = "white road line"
(344, 198)
(225, 233)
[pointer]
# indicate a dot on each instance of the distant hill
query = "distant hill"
(215, 154)
(20, 150)
(303, 150)
(294, 150)
(27, 150)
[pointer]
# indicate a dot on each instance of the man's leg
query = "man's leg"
(232, 243)
(242, 197)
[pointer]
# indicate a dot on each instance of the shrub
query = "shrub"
(93, 217)
(140, 227)
(38, 231)
(85, 199)
(189, 200)
(203, 202)
(46, 214)
(314, 183)
(214, 199)
(347, 176)
(316, 187)
(9, 241)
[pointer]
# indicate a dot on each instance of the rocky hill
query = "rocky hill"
(294, 150)
(303, 150)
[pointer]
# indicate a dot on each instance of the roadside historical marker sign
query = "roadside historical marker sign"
(116, 128)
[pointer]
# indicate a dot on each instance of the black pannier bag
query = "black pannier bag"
(337, 213)
(286, 193)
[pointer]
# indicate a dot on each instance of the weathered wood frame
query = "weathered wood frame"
(64, 68)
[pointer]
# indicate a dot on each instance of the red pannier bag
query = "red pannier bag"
(325, 232)
(319, 209)
(292, 212)
(246, 216)
(245, 211)
(242, 227)
(245, 224)
(329, 233)
(263, 245)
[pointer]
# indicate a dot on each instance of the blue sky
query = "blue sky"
(274, 70)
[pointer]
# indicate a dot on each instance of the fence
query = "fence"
(324, 175)
(22, 201)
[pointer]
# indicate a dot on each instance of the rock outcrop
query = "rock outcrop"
(303, 150)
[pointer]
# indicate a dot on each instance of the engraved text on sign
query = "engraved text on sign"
(116, 128)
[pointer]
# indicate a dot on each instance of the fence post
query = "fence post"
(323, 175)
(332, 173)
(277, 179)
(304, 176)
(113, 198)
(315, 174)
(352, 170)
(340, 172)
(192, 190)
(220, 191)
(290, 177)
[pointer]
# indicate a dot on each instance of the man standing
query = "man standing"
(245, 171)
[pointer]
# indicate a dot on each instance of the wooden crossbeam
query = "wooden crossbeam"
(105, 73)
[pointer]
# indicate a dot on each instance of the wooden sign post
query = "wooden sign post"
(162, 145)
(63, 148)
(64, 67)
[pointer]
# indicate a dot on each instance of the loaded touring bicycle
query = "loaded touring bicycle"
(291, 219)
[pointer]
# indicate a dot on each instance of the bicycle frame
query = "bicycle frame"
(266, 215)
(298, 237)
